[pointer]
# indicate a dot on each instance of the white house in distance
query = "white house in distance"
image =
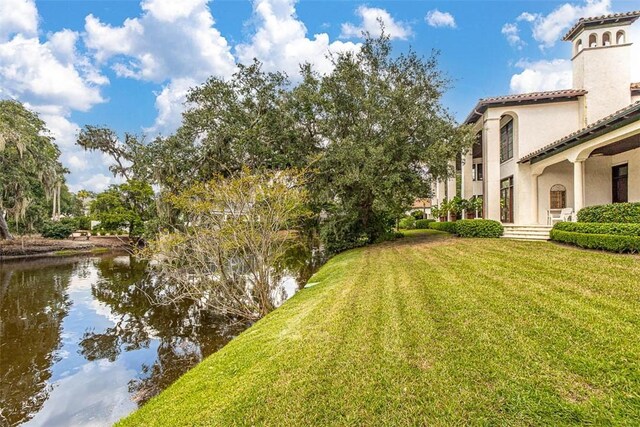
(539, 153)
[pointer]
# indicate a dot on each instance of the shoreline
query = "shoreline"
(37, 247)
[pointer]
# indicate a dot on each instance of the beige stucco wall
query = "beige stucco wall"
(597, 181)
(560, 173)
(538, 125)
(635, 97)
(633, 159)
(605, 72)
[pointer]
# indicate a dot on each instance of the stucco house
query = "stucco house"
(539, 153)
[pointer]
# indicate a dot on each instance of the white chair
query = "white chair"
(566, 214)
(559, 215)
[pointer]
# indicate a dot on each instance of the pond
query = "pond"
(82, 344)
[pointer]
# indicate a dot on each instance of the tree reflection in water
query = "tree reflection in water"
(185, 334)
(33, 304)
(41, 334)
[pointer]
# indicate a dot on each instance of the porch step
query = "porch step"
(527, 232)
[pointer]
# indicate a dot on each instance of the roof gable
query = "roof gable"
(522, 99)
(595, 21)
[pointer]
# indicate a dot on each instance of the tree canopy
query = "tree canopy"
(30, 171)
(370, 136)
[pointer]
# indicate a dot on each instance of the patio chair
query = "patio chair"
(566, 214)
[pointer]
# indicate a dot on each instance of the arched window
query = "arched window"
(506, 138)
(578, 46)
(558, 197)
(606, 39)
(593, 40)
(620, 37)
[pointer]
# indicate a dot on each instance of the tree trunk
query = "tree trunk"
(4, 228)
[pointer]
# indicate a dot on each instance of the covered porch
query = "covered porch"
(597, 165)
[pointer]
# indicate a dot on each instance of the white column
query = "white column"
(578, 187)
(491, 154)
(534, 198)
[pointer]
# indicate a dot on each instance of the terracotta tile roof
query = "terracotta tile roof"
(421, 204)
(635, 86)
(598, 20)
(589, 132)
(523, 98)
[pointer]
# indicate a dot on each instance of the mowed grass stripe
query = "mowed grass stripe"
(432, 330)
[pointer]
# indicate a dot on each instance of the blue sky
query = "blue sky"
(127, 64)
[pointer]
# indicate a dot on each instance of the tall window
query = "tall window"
(558, 197)
(477, 171)
(620, 182)
(506, 200)
(506, 141)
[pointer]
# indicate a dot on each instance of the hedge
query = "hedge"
(607, 242)
(617, 229)
(615, 212)
(422, 224)
(407, 223)
(470, 227)
(478, 228)
(449, 227)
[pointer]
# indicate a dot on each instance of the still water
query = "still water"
(82, 345)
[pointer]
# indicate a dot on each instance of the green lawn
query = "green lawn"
(432, 330)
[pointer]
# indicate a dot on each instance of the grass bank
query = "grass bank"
(431, 330)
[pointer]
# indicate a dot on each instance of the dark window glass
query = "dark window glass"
(620, 181)
(506, 200)
(506, 141)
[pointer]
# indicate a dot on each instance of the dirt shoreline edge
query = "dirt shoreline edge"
(37, 247)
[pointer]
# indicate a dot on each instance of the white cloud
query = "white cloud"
(370, 23)
(162, 45)
(435, 18)
(49, 73)
(170, 104)
(92, 181)
(171, 43)
(171, 11)
(548, 29)
(512, 33)
(527, 17)
(542, 75)
(50, 77)
(18, 16)
(280, 41)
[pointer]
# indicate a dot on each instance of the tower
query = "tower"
(602, 62)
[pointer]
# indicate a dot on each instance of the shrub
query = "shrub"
(57, 230)
(607, 242)
(407, 223)
(615, 212)
(423, 224)
(449, 227)
(83, 222)
(479, 228)
(417, 214)
(618, 229)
